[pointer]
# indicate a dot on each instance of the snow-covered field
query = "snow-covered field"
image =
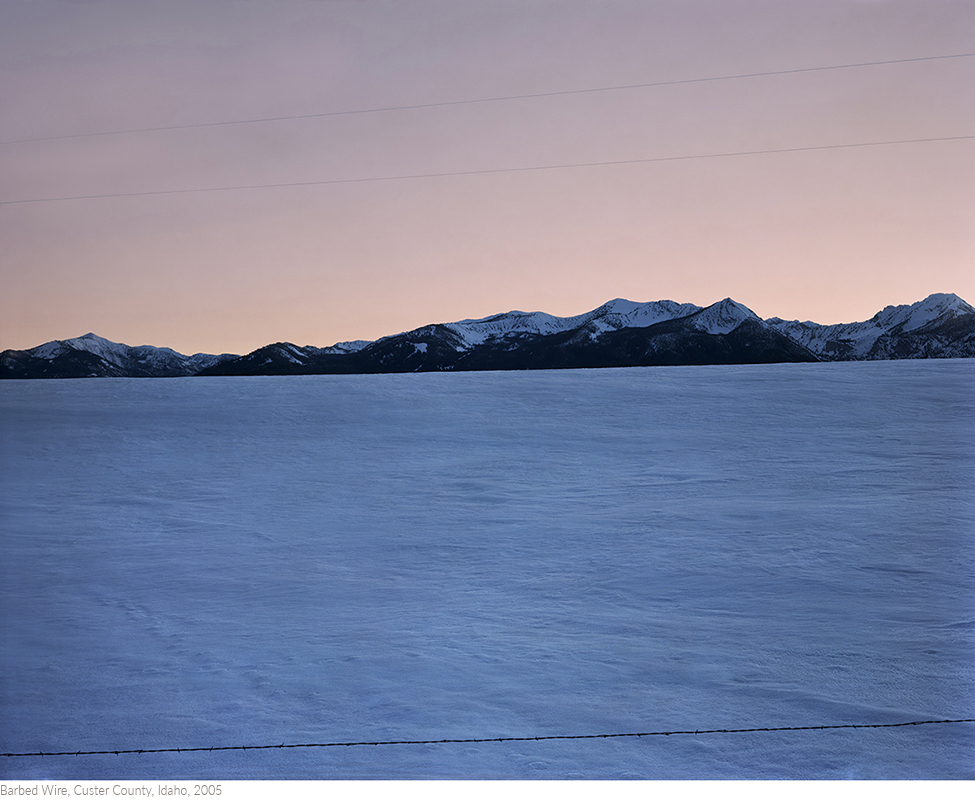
(223, 561)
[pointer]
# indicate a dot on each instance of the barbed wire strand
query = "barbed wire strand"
(498, 99)
(498, 171)
(284, 746)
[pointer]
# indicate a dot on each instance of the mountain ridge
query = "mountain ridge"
(618, 333)
(942, 322)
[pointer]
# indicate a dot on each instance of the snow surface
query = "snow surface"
(221, 561)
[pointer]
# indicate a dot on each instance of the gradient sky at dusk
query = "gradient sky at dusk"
(827, 235)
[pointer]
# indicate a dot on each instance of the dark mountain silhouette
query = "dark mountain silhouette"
(619, 333)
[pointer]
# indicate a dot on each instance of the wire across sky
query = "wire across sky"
(463, 173)
(502, 98)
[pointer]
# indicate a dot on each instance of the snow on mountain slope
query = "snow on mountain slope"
(114, 358)
(871, 338)
(199, 361)
(934, 309)
(477, 331)
(346, 347)
(291, 352)
(722, 317)
(615, 314)
(621, 313)
(103, 348)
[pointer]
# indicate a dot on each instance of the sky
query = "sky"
(829, 235)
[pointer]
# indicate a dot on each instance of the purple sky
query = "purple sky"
(828, 235)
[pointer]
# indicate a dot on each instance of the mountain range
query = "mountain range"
(619, 333)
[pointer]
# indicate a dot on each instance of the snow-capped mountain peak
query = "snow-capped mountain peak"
(895, 332)
(477, 331)
(723, 316)
(347, 347)
(615, 314)
(94, 356)
(103, 348)
(621, 313)
(935, 308)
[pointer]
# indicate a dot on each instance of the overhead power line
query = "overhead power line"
(462, 173)
(498, 99)
(284, 746)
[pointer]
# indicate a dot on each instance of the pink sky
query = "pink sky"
(827, 235)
